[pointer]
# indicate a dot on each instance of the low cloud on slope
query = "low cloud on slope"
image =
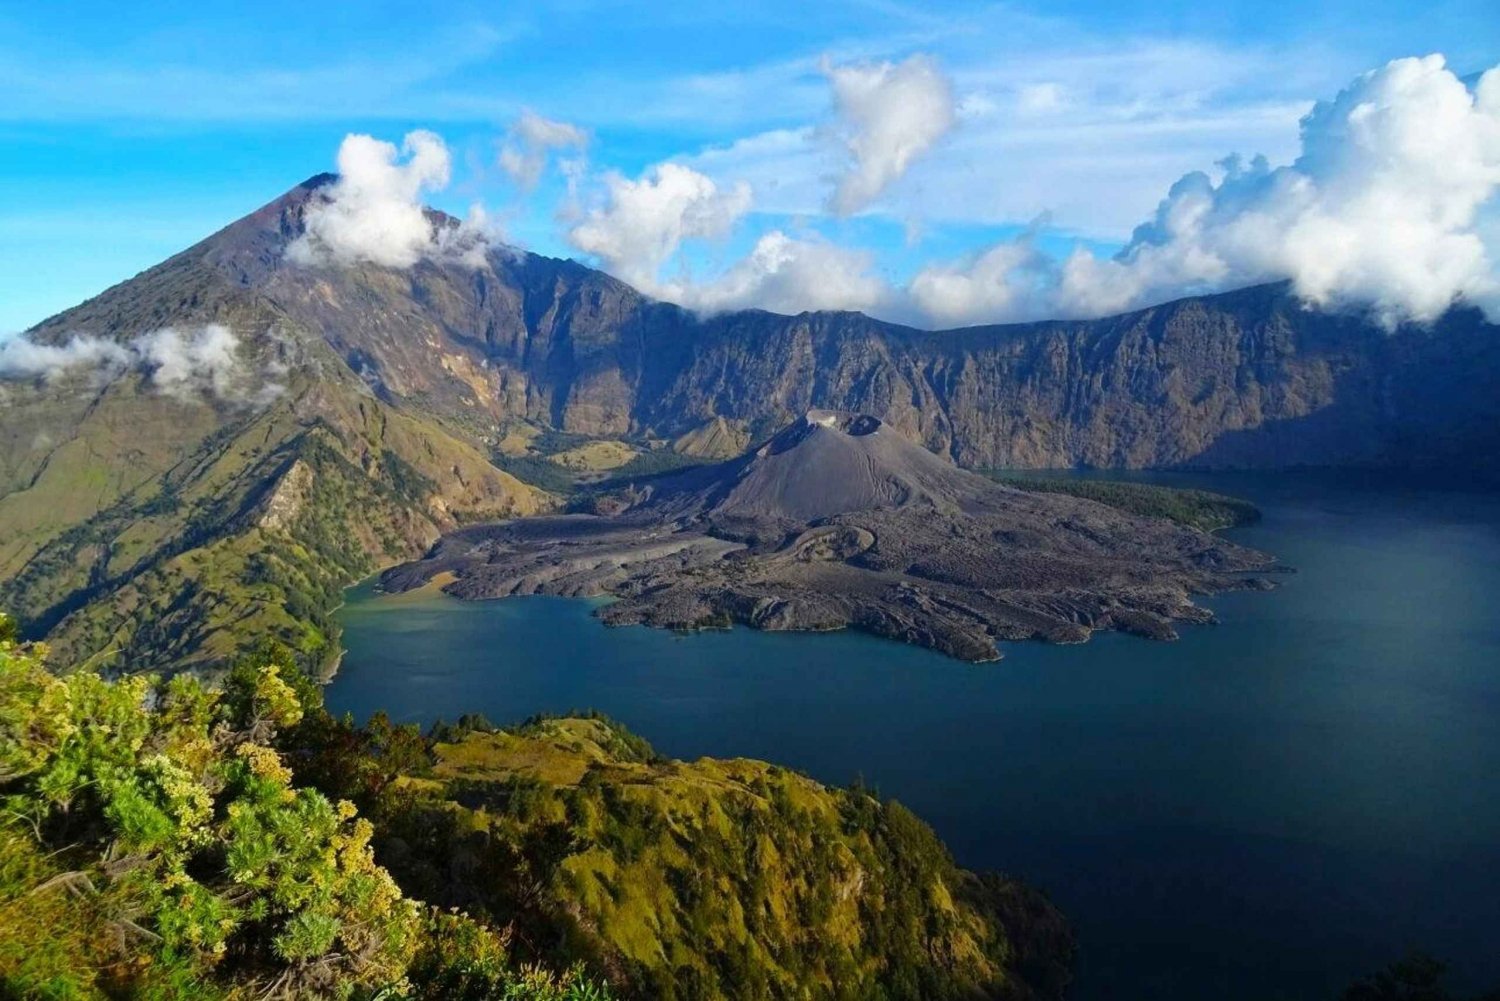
(186, 364)
(23, 358)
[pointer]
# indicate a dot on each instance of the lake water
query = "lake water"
(1264, 809)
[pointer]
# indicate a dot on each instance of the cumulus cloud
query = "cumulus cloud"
(186, 364)
(374, 212)
(644, 221)
(1007, 281)
(888, 115)
(789, 275)
(531, 141)
(1384, 209)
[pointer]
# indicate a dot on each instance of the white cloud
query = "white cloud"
(1035, 100)
(374, 212)
(531, 140)
(889, 114)
(1382, 210)
(23, 358)
(643, 222)
(1008, 281)
(186, 364)
(789, 275)
(1089, 132)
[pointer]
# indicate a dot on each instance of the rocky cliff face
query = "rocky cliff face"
(397, 382)
(1247, 378)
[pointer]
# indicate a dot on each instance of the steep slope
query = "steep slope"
(223, 516)
(1247, 378)
(714, 879)
(409, 378)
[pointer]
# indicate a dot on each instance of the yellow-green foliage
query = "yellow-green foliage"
(154, 844)
(594, 456)
(714, 879)
(191, 834)
(163, 535)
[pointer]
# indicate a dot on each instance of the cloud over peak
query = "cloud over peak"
(375, 211)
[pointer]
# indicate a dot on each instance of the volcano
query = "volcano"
(370, 401)
(838, 521)
(825, 464)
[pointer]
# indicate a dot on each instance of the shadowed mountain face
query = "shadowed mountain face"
(386, 389)
(1247, 378)
(837, 522)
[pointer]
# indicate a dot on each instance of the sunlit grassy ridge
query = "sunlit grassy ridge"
(159, 839)
(210, 531)
(714, 879)
(155, 842)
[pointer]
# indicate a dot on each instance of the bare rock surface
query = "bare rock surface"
(839, 522)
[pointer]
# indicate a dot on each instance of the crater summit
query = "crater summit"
(839, 521)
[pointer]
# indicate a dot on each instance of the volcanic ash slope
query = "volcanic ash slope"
(839, 521)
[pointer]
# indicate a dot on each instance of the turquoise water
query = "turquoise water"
(1264, 809)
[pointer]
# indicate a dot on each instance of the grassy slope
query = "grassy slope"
(1200, 509)
(155, 845)
(717, 878)
(213, 529)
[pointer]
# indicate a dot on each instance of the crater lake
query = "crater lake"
(1268, 808)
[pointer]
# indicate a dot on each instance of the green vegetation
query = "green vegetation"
(161, 840)
(539, 472)
(710, 879)
(1194, 508)
(540, 467)
(652, 463)
(250, 532)
(155, 843)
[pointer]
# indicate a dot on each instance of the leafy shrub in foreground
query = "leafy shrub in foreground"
(153, 845)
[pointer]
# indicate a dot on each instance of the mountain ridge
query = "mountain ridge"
(1248, 378)
(393, 387)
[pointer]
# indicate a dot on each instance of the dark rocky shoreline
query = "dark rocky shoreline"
(838, 522)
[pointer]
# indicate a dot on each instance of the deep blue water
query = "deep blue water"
(1265, 809)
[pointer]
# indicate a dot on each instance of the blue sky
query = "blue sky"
(131, 130)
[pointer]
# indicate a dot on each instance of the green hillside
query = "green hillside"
(162, 840)
(167, 535)
(714, 879)
(155, 844)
